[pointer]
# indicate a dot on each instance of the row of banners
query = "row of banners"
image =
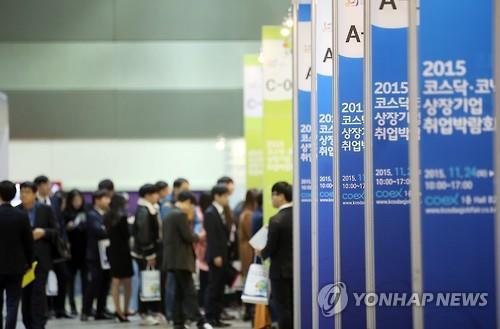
(372, 250)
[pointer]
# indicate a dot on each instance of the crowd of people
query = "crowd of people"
(173, 232)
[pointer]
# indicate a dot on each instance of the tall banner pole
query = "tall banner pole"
(457, 133)
(368, 166)
(314, 169)
(277, 118)
(387, 181)
(252, 96)
(323, 154)
(4, 137)
(350, 127)
(302, 183)
(414, 160)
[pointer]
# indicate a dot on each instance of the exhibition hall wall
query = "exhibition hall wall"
(82, 163)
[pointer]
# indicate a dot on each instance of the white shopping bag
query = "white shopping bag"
(51, 286)
(103, 253)
(256, 286)
(150, 285)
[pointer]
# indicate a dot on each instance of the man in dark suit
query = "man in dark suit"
(45, 196)
(217, 254)
(45, 232)
(16, 252)
(180, 259)
(279, 249)
(99, 278)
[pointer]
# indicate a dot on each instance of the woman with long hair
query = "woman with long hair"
(244, 235)
(119, 255)
(74, 218)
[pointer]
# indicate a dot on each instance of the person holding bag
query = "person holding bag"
(45, 233)
(146, 234)
(279, 249)
(99, 279)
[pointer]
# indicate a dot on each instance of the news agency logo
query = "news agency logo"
(332, 299)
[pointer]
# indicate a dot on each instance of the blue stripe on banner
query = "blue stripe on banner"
(391, 176)
(351, 180)
(304, 152)
(325, 189)
(305, 208)
(304, 13)
(456, 89)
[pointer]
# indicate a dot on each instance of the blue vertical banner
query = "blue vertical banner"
(456, 162)
(323, 117)
(304, 152)
(389, 31)
(351, 167)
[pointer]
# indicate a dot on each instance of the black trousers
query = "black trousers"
(203, 288)
(34, 302)
(11, 285)
(186, 301)
(146, 307)
(214, 299)
(282, 295)
(75, 266)
(98, 285)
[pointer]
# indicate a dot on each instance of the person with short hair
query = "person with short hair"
(106, 185)
(180, 259)
(16, 244)
(55, 201)
(99, 278)
(279, 249)
(217, 254)
(146, 233)
(180, 185)
(163, 190)
(45, 233)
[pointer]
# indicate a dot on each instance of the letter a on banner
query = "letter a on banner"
(303, 151)
(457, 127)
(389, 33)
(350, 127)
(252, 90)
(278, 131)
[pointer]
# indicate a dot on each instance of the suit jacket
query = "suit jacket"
(178, 240)
(43, 248)
(217, 236)
(16, 240)
(280, 245)
(95, 231)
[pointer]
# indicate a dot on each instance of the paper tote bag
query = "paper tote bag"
(262, 317)
(150, 286)
(256, 286)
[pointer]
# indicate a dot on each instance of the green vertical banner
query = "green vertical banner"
(278, 128)
(253, 125)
